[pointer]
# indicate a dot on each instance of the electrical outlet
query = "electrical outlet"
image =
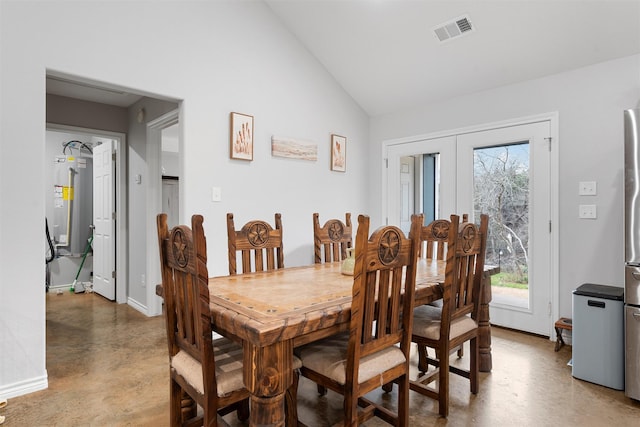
(587, 212)
(142, 281)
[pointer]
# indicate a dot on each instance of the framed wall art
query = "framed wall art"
(294, 148)
(338, 153)
(241, 137)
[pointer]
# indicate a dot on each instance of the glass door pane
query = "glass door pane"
(430, 187)
(501, 190)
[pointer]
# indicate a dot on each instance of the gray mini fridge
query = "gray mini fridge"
(598, 335)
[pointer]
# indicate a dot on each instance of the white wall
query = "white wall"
(226, 56)
(590, 102)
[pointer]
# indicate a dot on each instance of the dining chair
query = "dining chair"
(261, 249)
(259, 244)
(330, 242)
(208, 371)
(433, 245)
(457, 321)
(434, 237)
(376, 349)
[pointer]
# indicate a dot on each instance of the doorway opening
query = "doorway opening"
(94, 109)
(76, 259)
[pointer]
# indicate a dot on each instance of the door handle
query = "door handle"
(636, 315)
(636, 275)
(592, 303)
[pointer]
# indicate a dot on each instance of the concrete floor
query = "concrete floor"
(108, 366)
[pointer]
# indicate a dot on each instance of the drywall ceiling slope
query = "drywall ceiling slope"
(385, 54)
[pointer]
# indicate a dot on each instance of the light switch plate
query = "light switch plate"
(587, 188)
(216, 194)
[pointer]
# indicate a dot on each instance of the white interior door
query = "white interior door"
(103, 220)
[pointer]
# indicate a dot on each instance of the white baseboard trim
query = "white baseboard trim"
(24, 387)
(135, 304)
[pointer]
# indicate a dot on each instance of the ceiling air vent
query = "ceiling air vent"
(454, 28)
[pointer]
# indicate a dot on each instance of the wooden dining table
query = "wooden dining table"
(273, 312)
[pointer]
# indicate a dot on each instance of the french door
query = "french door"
(504, 172)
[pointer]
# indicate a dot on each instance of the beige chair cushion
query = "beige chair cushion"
(328, 357)
(426, 323)
(228, 357)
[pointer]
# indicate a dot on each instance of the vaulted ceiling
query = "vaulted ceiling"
(386, 55)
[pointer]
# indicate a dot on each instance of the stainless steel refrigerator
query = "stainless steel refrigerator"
(632, 252)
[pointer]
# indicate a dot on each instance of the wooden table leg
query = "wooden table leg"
(484, 325)
(267, 375)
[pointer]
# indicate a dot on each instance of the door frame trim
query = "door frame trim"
(553, 119)
(154, 203)
(120, 201)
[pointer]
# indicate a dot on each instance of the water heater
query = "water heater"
(72, 203)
